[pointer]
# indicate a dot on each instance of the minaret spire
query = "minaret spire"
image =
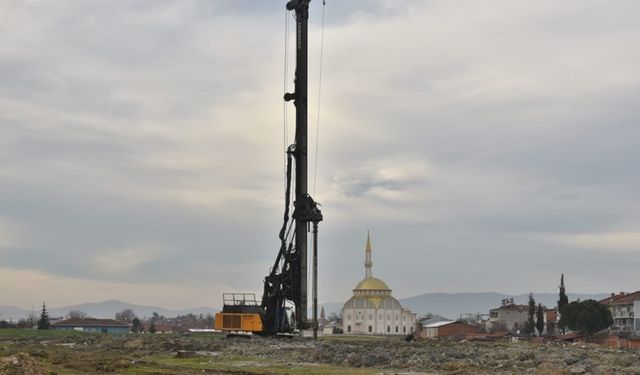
(367, 257)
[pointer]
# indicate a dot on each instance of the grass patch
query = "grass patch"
(26, 332)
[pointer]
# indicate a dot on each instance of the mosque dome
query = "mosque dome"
(371, 283)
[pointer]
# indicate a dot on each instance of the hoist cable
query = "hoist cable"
(315, 168)
(285, 136)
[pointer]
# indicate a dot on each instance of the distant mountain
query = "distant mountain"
(105, 309)
(11, 313)
(452, 305)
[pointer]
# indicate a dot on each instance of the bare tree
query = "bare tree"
(32, 318)
(77, 314)
(335, 317)
(125, 315)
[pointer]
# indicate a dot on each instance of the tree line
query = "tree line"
(152, 324)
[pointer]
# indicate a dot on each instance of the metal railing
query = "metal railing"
(240, 299)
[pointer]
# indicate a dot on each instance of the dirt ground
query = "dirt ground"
(22, 353)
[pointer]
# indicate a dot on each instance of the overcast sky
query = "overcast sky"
(488, 146)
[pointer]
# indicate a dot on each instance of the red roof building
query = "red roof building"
(625, 310)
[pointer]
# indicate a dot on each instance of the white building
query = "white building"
(372, 310)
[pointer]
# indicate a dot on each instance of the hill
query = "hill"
(452, 305)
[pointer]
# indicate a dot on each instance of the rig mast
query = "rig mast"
(288, 277)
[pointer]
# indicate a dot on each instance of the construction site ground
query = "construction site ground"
(51, 352)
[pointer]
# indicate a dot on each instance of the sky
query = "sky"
(487, 146)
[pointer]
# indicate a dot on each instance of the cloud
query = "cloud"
(617, 241)
(11, 234)
(32, 287)
(126, 259)
(144, 142)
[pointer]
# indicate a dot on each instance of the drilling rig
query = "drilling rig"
(286, 283)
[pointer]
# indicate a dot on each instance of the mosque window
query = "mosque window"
(370, 329)
(411, 329)
(404, 329)
(348, 328)
(388, 329)
(396, 329)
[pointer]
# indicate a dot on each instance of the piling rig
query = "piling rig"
(286, 283)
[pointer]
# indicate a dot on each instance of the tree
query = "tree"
(563, 301)
(540, 319)
(32, 319)
(589, 316)
(152, 326)
(44, 322)
(125, 315)
(77, 314)
(334, 317)
(530, 327)
(136, 326)
(210, 320)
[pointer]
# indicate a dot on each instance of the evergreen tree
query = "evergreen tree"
(44, 322)
(562, 302)
(530, 327)
(540, 319)
(136, 326)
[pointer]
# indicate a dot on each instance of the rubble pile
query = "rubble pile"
(117, 353)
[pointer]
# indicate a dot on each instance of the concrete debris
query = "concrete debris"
(118, 353)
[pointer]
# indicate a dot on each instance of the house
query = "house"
(331, 328)
(508, 317)
(425, 322)
(91, 325)
(550, 321)
(625, 310)
(448, 329)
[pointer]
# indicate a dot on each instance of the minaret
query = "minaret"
(367, 258)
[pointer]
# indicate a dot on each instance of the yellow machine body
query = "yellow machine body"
(238, 322)
(241, 312)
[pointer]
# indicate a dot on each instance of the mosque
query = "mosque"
(372, 310)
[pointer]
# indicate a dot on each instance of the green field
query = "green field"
(16, 332)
